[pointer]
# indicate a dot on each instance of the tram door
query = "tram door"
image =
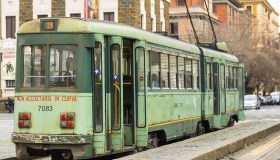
(120, 97)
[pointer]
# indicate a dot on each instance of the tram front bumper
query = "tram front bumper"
(80, 145)
(51, 139)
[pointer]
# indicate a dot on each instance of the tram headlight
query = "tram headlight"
(67, 120)
(24, 119)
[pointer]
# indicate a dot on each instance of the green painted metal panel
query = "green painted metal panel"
(140, 120)
(99, 140)
(46, 108)
(116, 135)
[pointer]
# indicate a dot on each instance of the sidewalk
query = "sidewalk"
(214, 145)
(7, 147)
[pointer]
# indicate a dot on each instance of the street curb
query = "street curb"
(237, 145)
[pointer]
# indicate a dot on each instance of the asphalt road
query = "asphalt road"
(7, 148)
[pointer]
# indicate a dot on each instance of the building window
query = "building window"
(75, 15)
(10, 26)
(142, 21)
(109, 16)
(42, 16)
(10, 83)
(249, 9)
(174, 28)
(152, 25)
(180, 2)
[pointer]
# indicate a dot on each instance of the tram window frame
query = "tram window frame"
(208, 76)
(67, 70)
(142, 67)
(234, 77)
(164, 82)
(189, 74)
(173, 84)
(222, 76)
(97, 49)
(196, 76)
(148, 68)
(181, 72)
(116, 122)
(155, 69)
(140, 120)
(43, 69)
(227, 77)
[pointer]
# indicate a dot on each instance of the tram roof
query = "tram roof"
(75, 25)
(78, 25)
(221, 55)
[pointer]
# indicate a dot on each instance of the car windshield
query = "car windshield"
(250, 97)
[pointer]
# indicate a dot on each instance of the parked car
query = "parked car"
(263, 100)
(268, 100)
(275, 97)
(252, 101)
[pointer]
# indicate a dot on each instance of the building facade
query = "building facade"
(265, 22)
(227, 11)
(180, 24)
(150, 15)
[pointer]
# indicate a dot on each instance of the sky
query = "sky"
(275, 4)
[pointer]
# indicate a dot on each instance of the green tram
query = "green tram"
(89, 88)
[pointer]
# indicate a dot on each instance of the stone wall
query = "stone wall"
(129, 13)
(26, 11)
(157, 10)
(58, 8)
(148, 15)
(166, 16)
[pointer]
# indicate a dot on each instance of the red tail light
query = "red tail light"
(24, 119)
(70, 123)
(26, 115)
(20, 123)
(63, 116)
(67, 120)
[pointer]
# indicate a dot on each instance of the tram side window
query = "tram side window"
(142, 66)
(181, 72)
(222, 77)
(208, 76)
(229, 77)
(188, 73)
(34, 66)
(97, 88)
(62, 65)
(164, 71)
(148, 69)
(195, 74)
(234, 77)
(155, 69)
(173, 71)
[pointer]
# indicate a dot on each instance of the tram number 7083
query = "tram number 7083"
(45, 108)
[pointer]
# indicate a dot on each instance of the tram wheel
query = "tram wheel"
(200, 129)
(61, 154)
(231, 122)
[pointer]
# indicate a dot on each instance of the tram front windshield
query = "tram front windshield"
(59, 64)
